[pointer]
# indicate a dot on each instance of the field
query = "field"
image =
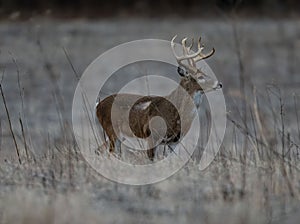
(255, 177)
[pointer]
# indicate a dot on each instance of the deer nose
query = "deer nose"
(220, 85)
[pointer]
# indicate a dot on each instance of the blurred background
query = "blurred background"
(148, 8)
(45, 46)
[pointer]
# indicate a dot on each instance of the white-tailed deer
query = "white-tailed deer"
(178, 109)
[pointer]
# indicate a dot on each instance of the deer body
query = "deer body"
(184, 100)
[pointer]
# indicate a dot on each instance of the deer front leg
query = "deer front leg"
(151, 153)
(152, 149)
(118, 146)
(111, 146)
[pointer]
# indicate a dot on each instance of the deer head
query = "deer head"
(189, 70)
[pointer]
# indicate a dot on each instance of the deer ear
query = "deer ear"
(181, 71)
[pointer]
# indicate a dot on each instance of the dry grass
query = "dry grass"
(59, 187)
(254, 179)
(33, 206)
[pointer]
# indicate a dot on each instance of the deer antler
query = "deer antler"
(191, 58)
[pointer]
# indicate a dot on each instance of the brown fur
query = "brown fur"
(158, 106)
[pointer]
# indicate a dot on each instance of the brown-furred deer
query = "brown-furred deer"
(133, 114)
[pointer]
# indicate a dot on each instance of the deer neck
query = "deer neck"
(187, 102)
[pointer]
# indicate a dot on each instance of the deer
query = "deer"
(178, 109)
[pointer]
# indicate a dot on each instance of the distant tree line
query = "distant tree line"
(145, 7)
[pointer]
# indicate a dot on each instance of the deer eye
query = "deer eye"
(181, 71)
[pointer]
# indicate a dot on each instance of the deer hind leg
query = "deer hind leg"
(112, 140)
(114, 145)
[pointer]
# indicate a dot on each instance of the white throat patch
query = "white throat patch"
(197, 97)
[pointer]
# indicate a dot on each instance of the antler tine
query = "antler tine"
(173, 47)
(185, 56)
(204, 56)
(201, 56)
(172, 41)
(195, 56)
(184, 49)
(191, 61)
(199, 44)
(191, 58)
(178, 58)
(190, 47)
